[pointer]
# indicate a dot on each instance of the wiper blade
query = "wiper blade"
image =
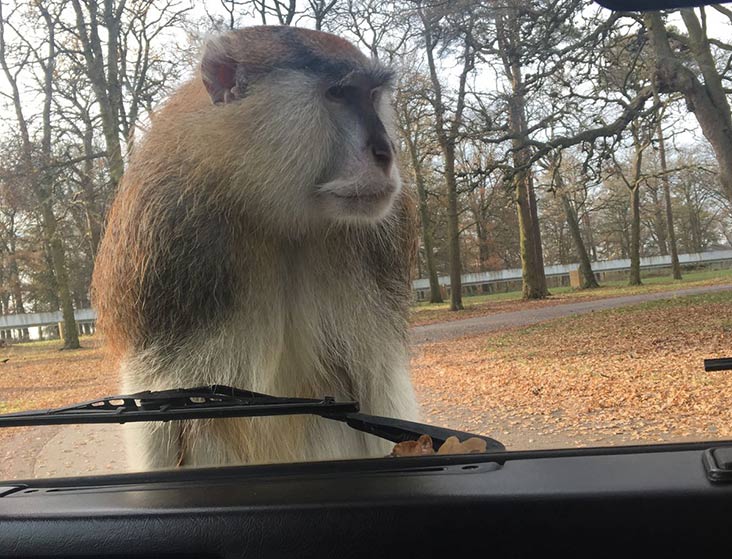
(219, 401)
(188, 403)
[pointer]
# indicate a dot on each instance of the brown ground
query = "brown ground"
(625, 375)
(39, 376)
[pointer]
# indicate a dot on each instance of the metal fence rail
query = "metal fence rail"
(28, 320)
(565, 269)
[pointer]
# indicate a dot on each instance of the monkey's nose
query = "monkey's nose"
(382, 153)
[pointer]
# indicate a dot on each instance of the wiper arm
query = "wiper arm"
(218, 401)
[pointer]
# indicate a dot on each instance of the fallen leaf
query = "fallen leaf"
(453, 446)
(420, 447)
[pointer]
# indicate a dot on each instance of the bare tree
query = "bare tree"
(37, 162)
(283, 12)
(532, 258)
(670, 231)
(641, 141)
(320, 10)
(702, 86)
(118, 56)
(563, 191)
(414, 122)
(447, 130)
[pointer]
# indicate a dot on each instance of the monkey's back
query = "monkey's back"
(164, 263)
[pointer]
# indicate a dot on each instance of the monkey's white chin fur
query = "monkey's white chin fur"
(366, 199)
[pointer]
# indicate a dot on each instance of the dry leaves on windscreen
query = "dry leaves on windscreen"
(424, 447)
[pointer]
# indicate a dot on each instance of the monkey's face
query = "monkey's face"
(361, 179)
(306, 119)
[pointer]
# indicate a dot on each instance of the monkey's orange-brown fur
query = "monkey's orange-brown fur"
(212, 271)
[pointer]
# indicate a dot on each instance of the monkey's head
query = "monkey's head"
(307, 122)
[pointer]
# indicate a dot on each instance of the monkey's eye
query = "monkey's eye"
(336, 93)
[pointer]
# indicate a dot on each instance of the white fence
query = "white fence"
(564, 269)
(29, 320)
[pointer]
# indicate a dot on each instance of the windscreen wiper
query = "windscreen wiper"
(218, 401)
(720, 364)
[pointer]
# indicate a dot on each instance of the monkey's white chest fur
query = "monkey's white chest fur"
(309, 322)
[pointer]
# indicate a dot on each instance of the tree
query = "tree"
(702, 86)
(119, 59)
(447, 131)
(37, 160)
(95, 70)
(565, 195)
(671, 232)
(414, 122)
(700, 208)
(641, 140)
(532, 257)
(553, 59)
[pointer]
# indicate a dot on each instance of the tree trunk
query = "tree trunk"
(532, 262)
(675, 266)
(659, 221)
(52, 294)
(71, 335)
(535, 228)
(588, 234)
(531, 282)
(453, 233)
(411, 138)
(447, 136)
(104, 91)
(424, 215)
(483, 253)
(44, 193)
(17, 287)
(93, 219)
(588, 276)
(635, 278)
(532, 258)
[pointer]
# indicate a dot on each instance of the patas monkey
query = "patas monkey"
(261, 239)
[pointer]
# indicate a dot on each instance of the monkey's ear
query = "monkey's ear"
(224, 78)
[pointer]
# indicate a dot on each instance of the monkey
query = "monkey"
(261, 238)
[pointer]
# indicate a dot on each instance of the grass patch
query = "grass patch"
(40, 344)
(480, 305)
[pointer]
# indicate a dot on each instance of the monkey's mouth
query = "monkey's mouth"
(364, 193)
(362, 200)
(364, 196)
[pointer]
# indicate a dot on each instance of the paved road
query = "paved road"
(499, 321)
(61, 451)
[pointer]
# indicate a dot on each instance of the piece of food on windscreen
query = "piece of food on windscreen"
(452, 445)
